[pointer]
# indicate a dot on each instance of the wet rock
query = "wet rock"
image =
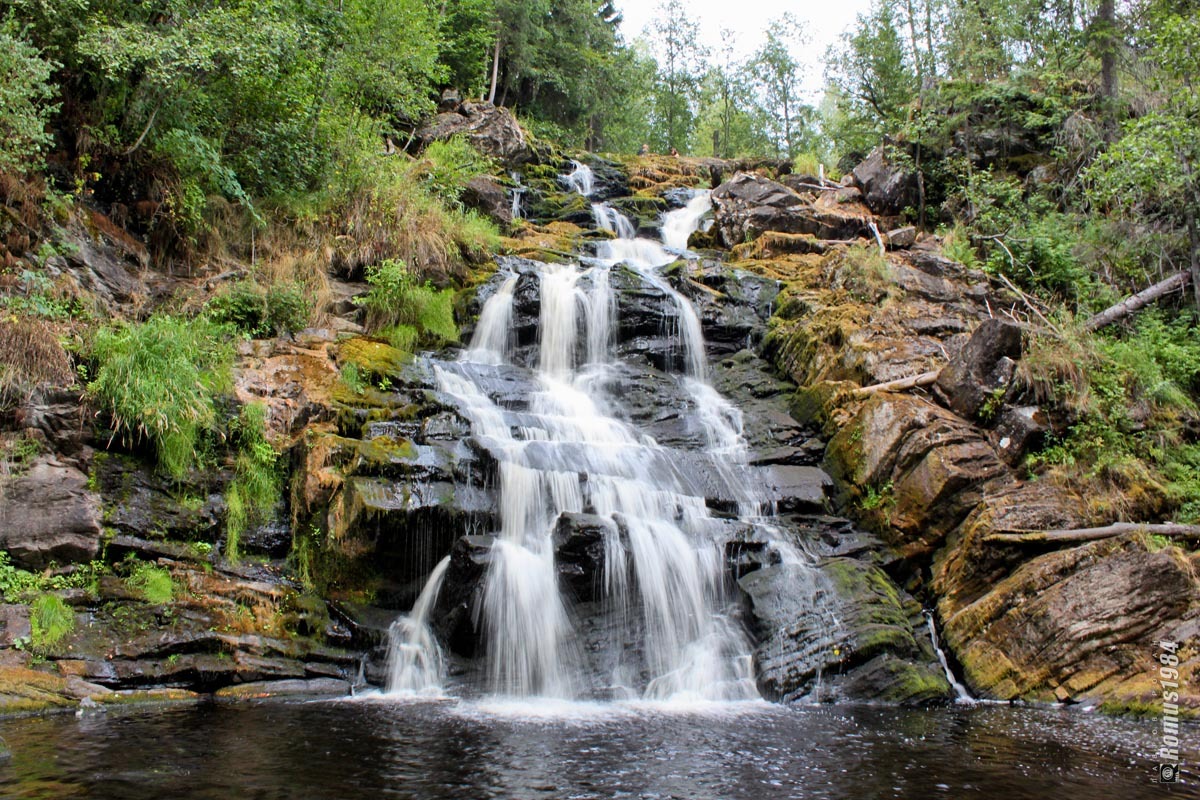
(49, 513)
(141, 503)
(579, 554)
(315, 687)
(843, 626)
(492, 130)
(887, 187)
(489, 198)
(454, 615)
(976, 380)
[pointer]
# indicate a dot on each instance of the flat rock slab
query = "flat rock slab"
(324, 687)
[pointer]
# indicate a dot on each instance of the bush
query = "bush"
(257, 312)
(158, 382)
(256, 485)
(447, 167)
(153, 583)
(25, 89)
(396, 299)
(51, 620)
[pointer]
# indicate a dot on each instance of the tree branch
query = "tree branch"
(1136, 302)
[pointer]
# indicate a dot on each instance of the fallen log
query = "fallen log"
(1136, 302)
(1074, 535)
(899, 385)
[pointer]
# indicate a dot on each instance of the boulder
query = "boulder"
(49, 514)
(489, 198)
(492, 130)
(975, 382)
(747, 205)
(887, 188)
(1017, 431)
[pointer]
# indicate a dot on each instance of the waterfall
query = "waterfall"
(518, 192)
(563, 451)
(960, 692)
(580, 179)
(415, 665)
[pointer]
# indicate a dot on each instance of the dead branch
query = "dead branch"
(1072, 535)
(1136, 302)
(899, 385)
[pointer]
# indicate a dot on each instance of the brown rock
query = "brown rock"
(1082, 618)
(492, 130)
(975, 382)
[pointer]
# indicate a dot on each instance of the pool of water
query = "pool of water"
(447, 749)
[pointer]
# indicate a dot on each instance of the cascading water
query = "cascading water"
(518, 193)
(580, 179)
(673, 628)
(414, 656)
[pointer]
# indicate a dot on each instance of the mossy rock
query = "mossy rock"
(375, 358)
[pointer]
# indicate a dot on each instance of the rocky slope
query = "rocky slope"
(800, 313)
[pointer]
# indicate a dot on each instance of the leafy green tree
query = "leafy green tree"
(730, 114)
(780, 75)
(681, 66)
(25, 92)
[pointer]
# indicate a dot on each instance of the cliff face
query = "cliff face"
(800, 310)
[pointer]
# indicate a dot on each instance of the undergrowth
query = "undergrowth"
(159, 381)
(406, 311)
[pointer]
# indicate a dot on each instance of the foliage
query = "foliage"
(256, 486)
(780, 74)
(153, 583)
(1132, 399)
(30, 356)
(158, 382)
(50, 619)
(256, 311)
(447, 167)
(397, 299)
(25, 91)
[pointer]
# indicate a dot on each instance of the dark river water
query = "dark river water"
(370, 749)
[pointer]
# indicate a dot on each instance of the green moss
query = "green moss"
(913, 684)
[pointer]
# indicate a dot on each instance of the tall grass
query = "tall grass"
(398, 304)
(158, 381)
(50, 619)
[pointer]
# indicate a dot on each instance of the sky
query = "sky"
(824, 22)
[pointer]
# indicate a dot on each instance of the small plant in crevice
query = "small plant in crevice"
(50, 620)
(153, 583)
(256, 486)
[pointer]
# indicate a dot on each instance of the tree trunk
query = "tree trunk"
(495, 70)
(1106, 19)
(899, 385)
(1140, 300)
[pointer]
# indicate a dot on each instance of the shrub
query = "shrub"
(257, 311)
(158, 381)
(50, 619)
(25, 88)
(448, 165)
(153, 583)
(396, 299)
